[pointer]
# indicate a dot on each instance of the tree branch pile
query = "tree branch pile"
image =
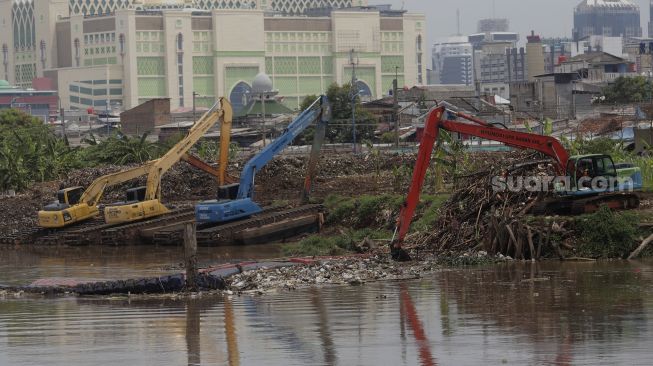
(479, 217)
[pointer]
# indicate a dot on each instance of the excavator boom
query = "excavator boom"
(149, 205)
(434, 122)
(214, 211)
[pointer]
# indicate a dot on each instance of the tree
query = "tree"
(121, 149)
(29, 151)
(628, 90)
(340, 130)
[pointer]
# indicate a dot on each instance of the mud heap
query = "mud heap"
(478, 217)
(281, 179)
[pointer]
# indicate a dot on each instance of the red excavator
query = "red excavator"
(574, 199)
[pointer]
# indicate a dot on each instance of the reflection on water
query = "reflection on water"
(23, 266)
(551, 313)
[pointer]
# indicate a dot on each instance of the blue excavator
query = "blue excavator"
(235, 201)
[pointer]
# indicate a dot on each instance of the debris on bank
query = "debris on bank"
(261, 276)
(477, 217)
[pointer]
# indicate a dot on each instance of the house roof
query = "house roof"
(597, 58)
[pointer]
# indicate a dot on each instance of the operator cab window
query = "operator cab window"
(605, 166)
(584, 172)
(74, 196)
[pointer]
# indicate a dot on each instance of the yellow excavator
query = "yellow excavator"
(145, 202)
(76, 204)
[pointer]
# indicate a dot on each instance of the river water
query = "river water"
(519, 313)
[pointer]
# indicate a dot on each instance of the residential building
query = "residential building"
(153, 49)
(640, 51)
(589, 44)
(597, 67)
(555, 51)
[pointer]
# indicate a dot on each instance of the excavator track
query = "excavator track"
(579, 206)
(172, 234)
(228, 233)
(620, 201)
(41, 236)
(236, 232)
(129, 233)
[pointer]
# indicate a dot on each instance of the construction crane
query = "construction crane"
(238, 198)
(576, 200)
(145, 202)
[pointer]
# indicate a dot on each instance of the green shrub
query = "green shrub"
(607, 234)
(334, 245)
(429, 209)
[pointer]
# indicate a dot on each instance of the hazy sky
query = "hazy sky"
(549, 18)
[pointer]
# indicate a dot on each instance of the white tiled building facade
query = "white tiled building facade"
(137, 52)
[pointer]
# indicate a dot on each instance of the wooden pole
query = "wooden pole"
(190, 256)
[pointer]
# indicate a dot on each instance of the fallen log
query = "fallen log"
(641, 247)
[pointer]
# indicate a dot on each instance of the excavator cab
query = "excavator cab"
(581, 170)
(136, 194)
(66, 198)
(68, 209)
(228, 192)
(70, 196)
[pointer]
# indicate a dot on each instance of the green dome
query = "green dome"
(4, 84)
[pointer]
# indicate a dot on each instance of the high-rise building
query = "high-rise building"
(493, 25)
(610, 18)
(650, 23)
(498, 62)
(452, 61)
(129, 55)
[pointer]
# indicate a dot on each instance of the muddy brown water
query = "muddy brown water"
(521, 314)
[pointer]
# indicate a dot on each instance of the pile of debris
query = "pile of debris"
(351, 270)
(484, 215)
(19, 211)
(601, 125)
(182, 183)
(336, 165)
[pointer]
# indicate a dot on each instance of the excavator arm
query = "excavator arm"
(296, 127)
(218, 211)
(220, 110)
(436, 121)
(149, 205)
(94, 192)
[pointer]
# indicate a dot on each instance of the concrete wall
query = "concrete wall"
(145, 117)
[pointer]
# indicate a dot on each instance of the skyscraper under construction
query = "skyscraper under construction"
(611, 18)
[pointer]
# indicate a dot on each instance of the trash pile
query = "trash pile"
(481, 216)
(353, 271)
